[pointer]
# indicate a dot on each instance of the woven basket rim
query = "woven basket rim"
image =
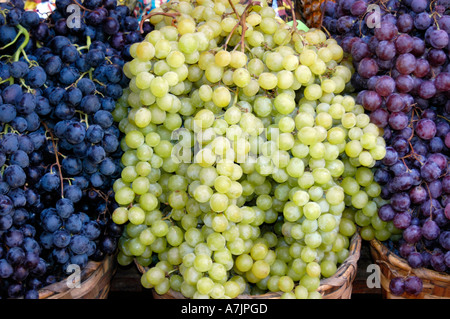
(345, 273)
(401, 263)
(91, 269)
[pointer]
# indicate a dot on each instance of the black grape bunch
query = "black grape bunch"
(59, 143)
(402, 80)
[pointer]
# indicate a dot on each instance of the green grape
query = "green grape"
(260, 269)
(267, 80)
(124, 196)
(134, 139)
(284, 103)
(120, 215)
(221, 96)
(313, 92)
(145, 51)
(238, 59)
(241, 77)
(347, 227)
(245, 169)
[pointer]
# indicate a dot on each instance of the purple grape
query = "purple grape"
(111, 25)
(397, 286)
(400, 201)
(422, 68)
(403, 181)
(419, 47)
(427, 90)
(446, 184)
(385, 85)
(436, 145)
(371, 100)
(419, 5)
(430, 230)
(391, 156)
(358, 8)
(413, 285)
(405, 23)
(386, 213)
(429, 206)
(436, 57)
(398, 120)
(406, 63)
(412, 234)
(404, 83)
(404, 43)
(418, 195)
(437, 261)
(402, 220)
(367, 68)
(430, 171)
(386, 31)
(435, 188)
(444, 240)
(440, 218)
(439, 39)
(360, 51)
(395, 102)
(442, 82)
(422, 21)
(386, 50)
(415, 259)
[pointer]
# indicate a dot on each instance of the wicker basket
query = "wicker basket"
(95, 281)
(338, 286)
(436, 285)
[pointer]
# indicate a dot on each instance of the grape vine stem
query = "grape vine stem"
(23, 31)
(241, 22)
(81, 6)
(234, 9)
(56, 157)
(294, 19)
(104, 197)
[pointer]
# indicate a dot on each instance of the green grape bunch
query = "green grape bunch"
(246, 165)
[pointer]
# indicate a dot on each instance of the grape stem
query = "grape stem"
(9, 128)
(23, 31)
(30, 62)
(81, 6)
(30, 90)
(234, 8)
(83, 118)
(229, 35)
(431, 201)
(87, 46)
(241, 22)
(10, 80)
(56, 157)
(105, 198)
(13, 41)
(294, 19)
(244, 28)
(443, 117)
(173, 15)
(76, 82)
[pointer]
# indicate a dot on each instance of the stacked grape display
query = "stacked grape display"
(59, 146)
(403, 75)
(245, 162)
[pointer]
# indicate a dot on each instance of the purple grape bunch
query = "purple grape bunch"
(59, 143)
(402, 79)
